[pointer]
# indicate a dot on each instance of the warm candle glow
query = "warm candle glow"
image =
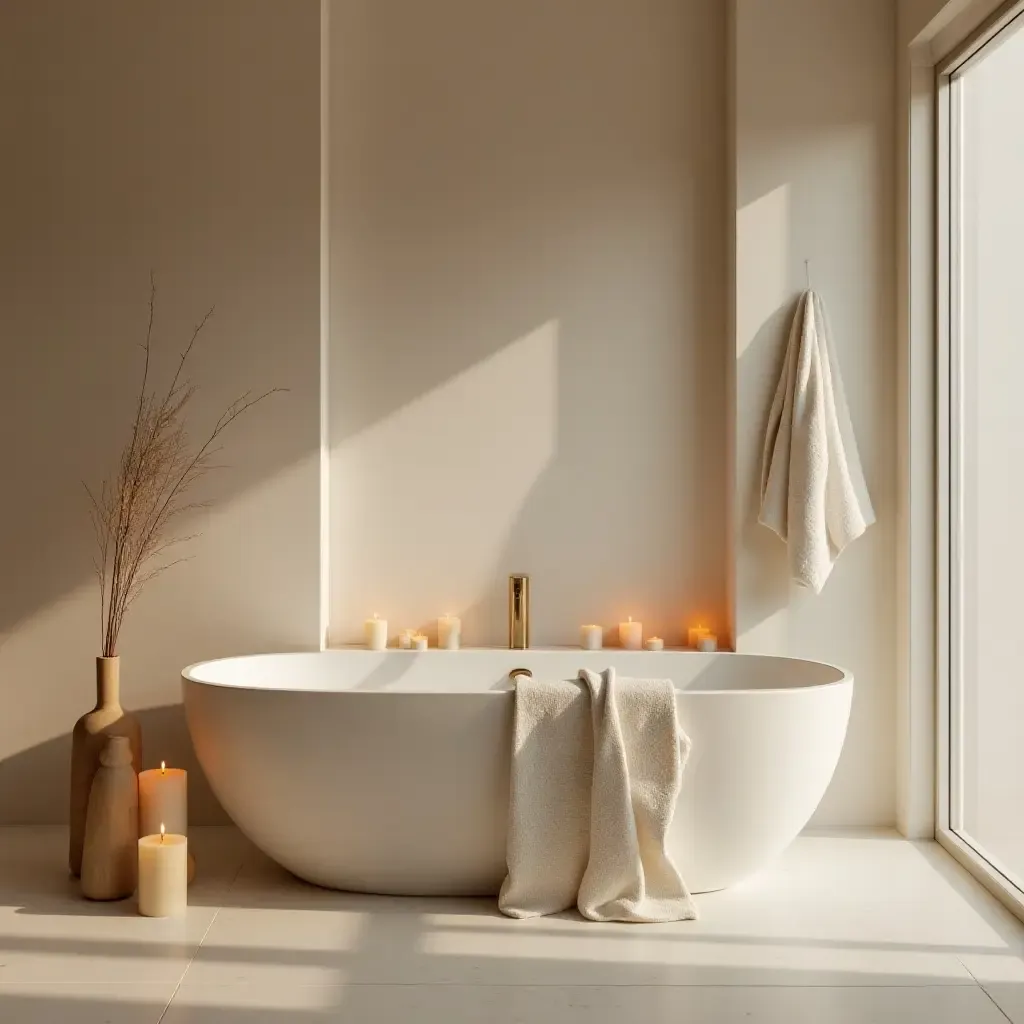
(163, 767)
(694, 633)
(631, 634)
(161, 832)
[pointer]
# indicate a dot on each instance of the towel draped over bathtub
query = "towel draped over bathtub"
(597, 766)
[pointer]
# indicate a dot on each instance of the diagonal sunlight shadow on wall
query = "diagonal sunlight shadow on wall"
(465, 456)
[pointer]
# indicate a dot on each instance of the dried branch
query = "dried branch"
(134, 514)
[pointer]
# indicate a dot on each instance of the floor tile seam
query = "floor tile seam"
(992, 1000)
(209, 927)
(984, 989)
(196, 984)
(195, 953)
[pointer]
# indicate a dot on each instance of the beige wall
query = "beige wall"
(516, 228)
(527, 305)
(814, 167)
(916, 15)
(182, 137)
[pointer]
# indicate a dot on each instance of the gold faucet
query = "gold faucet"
(518, 612)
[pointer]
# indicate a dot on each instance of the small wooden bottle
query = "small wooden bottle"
(110, 856)
(88, 740)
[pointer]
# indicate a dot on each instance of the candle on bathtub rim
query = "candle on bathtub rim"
(419, 642)
(405, 639)
(449, 632)
(654, 643)
(163, 875)
(694, 633)
(376, 632)
(631, 634)
(707, 643)
(591, 638)
(163, 800)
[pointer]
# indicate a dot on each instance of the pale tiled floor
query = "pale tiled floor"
(847, 929)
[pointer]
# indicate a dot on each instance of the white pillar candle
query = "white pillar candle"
(591, 638)
(163, 800)
(419, 642)
(163, 875)
(708, 642)
(631, 634)
(449, 632)
(694, 633)
(654, 643)
(376, 632)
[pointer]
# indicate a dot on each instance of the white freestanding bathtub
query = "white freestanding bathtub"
(388, 772)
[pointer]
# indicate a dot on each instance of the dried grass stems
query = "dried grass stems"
(137, 514)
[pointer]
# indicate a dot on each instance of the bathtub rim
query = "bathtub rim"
(189, 672)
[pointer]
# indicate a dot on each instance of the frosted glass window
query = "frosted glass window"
(987, 478)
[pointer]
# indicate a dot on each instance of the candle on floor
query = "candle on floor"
(163, 800)
(654, 643)
(708, 642)
(449, 632)
(694, 633)
(419, 642)
(591, 638)
(163, 875)
(631, 634)
(376, 633)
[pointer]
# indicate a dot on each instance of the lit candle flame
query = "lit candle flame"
(161, 832)
(163, 767)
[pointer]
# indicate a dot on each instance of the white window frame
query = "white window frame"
(949, 406)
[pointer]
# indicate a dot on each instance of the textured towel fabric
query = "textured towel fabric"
(813, 493)
(639, 755)
(549, 800)
(596, 770)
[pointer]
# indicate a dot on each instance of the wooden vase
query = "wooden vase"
(110, 854)
(90, 736)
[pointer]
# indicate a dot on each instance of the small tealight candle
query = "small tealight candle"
(376, 633)
(694, 633)
(631, 634)
(163, 800)
(707, 643)
(654, 643)
(163, 875)
(449, 632)
(591, 638)
(419, 642)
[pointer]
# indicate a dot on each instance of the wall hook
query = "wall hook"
(807, 273)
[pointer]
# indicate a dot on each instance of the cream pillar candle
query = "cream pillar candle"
(654, 643)
(163, 800)
(163, 875)
(707, 643)
(449, 632)
(419, 642)
(376, 633)
(631, 634)
(591, 638)
(694, 633)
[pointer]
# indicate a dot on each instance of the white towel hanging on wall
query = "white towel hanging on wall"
(813, 493)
